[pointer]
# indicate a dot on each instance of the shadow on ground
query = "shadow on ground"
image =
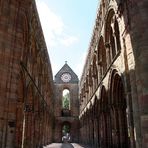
(67, 145)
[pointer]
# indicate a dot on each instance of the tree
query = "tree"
(66, 101)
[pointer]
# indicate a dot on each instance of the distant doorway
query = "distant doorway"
(66, 137)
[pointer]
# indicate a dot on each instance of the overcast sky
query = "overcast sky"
(67, 27)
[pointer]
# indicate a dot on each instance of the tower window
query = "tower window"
(66, 99)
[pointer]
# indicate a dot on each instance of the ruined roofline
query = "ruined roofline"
(92, 42)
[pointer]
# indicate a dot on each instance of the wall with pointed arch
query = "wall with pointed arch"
(26, 98)
(113, 106)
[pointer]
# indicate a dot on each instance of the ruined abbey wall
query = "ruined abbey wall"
(114, 84)
(26, 87)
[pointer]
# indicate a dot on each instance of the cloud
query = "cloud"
(67, 41)
(53, 27)
(52, 24)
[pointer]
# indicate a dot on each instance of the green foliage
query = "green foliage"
(66, 101)
(66, 129)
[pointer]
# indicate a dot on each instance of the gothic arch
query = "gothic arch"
(103, 127)
(96, 121)
(112, 35)
(110, 14)
(118, 111)
(95, 71)
(66, 96)
(101, 56)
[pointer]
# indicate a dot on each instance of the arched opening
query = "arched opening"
(95, 72)
(66, 132)
(118, 112)
(66, 99)
(112, 35)
(102, 60)
(96, 122)
(117, 35)
(66, 102)
(103, 120)
(112, 42)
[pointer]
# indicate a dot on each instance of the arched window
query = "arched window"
(66, 99)
(95, 72)
(117, 35)
(102, 60)
(112, 35)
(112, 43)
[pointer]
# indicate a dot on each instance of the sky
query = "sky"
(67, 26)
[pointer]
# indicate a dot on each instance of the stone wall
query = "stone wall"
(26, 87)
(71, 118)
(115, 68)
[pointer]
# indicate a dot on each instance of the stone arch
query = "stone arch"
(96, 106)
(90, 80)
(95, 71)
(66, 98)
(103, 137)
(101, 55)
(117, 35)
(91, 123)
(112, 35)
(66, 102)
(96, 122)
(118, 111)
(110, 14)
(90, 76)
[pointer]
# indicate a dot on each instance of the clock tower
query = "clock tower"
(66, 105)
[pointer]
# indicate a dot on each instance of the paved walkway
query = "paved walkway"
(64, 145)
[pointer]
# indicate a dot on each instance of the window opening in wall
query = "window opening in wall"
(66, 103)
(66, 99)
(112, 42)
(117, 35)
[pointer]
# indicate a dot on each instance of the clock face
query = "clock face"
(66, 77)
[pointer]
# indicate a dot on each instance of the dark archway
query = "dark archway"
(66, 131)
(101, 55)
(104, 118)
(118, 112)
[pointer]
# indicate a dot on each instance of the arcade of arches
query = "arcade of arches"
(107, 108)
